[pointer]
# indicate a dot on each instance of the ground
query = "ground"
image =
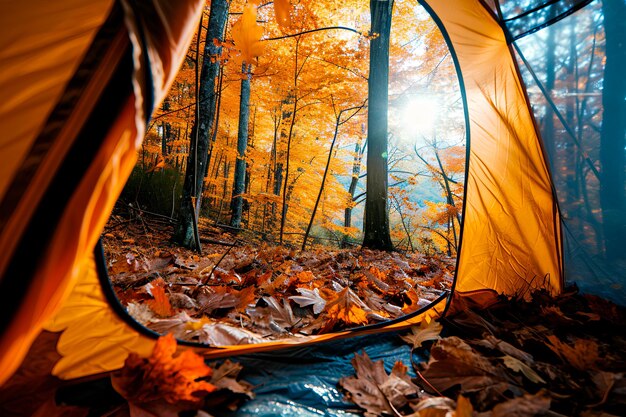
(550, 356)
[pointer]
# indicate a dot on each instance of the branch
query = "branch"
(312, 31)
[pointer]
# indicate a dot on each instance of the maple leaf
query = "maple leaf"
(454, 362)
(583, 356)
(348, 308)
(275, 316)
(222, 334)
(310, 298)
(225, 377)
(218, 299)
(163, 378)
(161, 303)
(425, 331)
(247, 34)
(374, 390)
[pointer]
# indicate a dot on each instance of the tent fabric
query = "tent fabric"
(511, 240)
(89, 149)
(536, 14)
(576, 92)
(94, 126)
(303, 381)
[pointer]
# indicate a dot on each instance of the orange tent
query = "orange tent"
(78, 83)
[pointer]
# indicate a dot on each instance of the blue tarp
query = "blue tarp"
(303, 381)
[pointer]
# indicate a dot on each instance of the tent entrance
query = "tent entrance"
(307, 137)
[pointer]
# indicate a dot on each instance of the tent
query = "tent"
(79, 81)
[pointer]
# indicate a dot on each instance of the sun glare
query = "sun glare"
(419, 116)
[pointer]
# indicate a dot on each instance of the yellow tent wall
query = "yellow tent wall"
(63, 62)
(511, 239)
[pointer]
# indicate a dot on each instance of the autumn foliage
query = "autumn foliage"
(177, 380)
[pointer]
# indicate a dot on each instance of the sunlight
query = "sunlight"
(419, 116)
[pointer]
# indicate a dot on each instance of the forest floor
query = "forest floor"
(252, 292)
(562, 356)
(546, 356)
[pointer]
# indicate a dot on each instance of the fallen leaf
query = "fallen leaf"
(348, 308)
(519, 366)
(161, 303)
(463, 407)
(423, 333)
(454, 362)
(374, 390)
(492, 342)
(310, 298)
(582, 356)
(225, 377)
(526, 406)
(433, 407)
(163, 377)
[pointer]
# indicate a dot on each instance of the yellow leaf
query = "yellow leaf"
(247, 34)
(426, 331)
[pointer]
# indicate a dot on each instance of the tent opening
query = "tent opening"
(281, 257)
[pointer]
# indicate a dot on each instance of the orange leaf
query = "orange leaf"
(163, 376)
(347, 308)
(247, 34)
(161, 303)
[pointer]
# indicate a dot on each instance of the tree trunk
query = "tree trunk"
(166, 129)
(239, 180)
(199, 140)
(613, 130)
(376, 231)
(356, 170)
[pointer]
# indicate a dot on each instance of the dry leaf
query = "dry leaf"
(492, 342)
(310, 298)
(526, 406)
(423, 333)
(161, 303)
(463, 407)
(454, 362)
(519, 366)
(374, 390)
(583, 356)
(162, 377)
(348, 308)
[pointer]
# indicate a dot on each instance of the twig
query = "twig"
(417, 371)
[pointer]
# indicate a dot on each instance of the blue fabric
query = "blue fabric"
(303, 381)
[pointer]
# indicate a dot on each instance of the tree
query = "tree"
(613, 133)
(376, 233)
(205, 114)
(239, 180)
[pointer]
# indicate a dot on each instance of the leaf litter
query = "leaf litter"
(251, 294)
(556, 357)
(548, 357)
